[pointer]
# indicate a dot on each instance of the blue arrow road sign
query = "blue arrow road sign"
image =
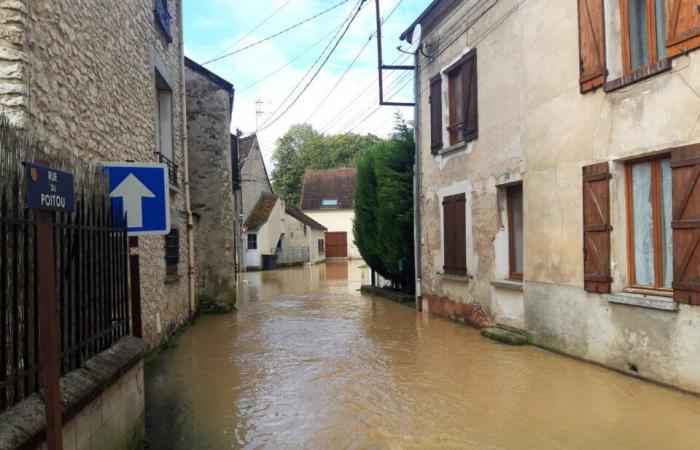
(141, 191)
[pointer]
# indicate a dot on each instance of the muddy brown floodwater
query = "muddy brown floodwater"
(309, 363)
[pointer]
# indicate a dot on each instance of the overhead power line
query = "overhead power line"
(347, 27)
(298, 24)
(267, 19)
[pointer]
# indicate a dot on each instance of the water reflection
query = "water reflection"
(309, 363)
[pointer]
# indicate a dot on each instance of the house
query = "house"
(326, 197)
(557, 168)
(277, 234)
(254, 182)
(213, 169)
(103, 86)
(304, 238)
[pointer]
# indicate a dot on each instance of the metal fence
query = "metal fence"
(293, 255)
(91, 256)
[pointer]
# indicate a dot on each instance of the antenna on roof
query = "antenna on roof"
(381, 66)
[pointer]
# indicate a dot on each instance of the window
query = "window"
(462, 100)
(649, 217)
(163, 18)
(252, 241)
(329, 202)
(172, 251)
(164, 127)
(454, 235)
(321, 247)
(643, 33)
(515, 231)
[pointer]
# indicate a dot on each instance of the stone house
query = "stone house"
(557, 176)
(108, 85)
(327, 197)
(213, 169)
(304, 238)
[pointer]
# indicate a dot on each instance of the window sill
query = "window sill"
(170, 279)
(638, 75)
(508, 284)
(451, 277)
(453, 148)
(642, 301)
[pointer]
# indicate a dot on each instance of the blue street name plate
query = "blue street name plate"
(49, 189)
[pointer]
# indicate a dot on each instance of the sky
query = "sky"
(217, 27)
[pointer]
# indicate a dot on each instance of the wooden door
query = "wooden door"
(336, 245)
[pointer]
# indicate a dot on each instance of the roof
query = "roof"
(261, 212)
(303, 218)
(406, 35)
(190, 64)
(328, 184)
(244, 146)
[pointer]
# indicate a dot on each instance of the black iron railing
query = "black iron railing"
(164, 19)
(92, 288)
(172, 169)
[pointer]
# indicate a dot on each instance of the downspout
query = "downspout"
(186, 169)
(417, 183)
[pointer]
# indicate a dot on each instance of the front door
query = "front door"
(337, 245)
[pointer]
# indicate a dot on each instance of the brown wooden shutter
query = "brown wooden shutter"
(470, 111)
(596, 228)
(436, 114)
(448, 235)
(591, 42)
(682, 26)
(460, 247)
(685, 164)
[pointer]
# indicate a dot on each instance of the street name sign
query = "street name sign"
(142, 192)
(49, 189)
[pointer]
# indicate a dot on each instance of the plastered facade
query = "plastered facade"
(338, 220)
(81, 77)
(535, 126)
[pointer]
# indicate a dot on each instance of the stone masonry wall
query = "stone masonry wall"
(254, 180)
(80, 75)
(209, 143)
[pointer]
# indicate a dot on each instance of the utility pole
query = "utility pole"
(258, 112)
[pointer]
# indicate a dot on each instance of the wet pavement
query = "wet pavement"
(308, 362)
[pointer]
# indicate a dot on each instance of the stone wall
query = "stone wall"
(103, 405)
(212, 198)
(80, 75)
(535, 126)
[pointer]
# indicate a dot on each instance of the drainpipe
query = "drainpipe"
(417, 183)
(186, 169)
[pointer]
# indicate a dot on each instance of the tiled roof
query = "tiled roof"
(328, 184)
(261, 212)
(303, 218)
(244, 146)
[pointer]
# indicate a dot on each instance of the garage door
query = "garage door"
(337, 245)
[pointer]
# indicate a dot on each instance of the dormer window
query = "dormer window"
(163, 18)
(329, 202)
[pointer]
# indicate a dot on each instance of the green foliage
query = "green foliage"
(383, 224)
(303, 148)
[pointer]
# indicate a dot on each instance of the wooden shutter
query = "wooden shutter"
(448, 241)
(685, 166)
(596, 228)
(470, 111)
(436, 114)
(454, 235)
(591, 42)
(682, 26)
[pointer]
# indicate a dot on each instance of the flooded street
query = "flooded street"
(307, 362)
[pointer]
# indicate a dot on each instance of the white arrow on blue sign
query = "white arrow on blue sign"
(141, 191)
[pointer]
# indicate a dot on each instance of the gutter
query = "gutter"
(191, 282)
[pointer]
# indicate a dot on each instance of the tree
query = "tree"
(302, 148)
(383, 225)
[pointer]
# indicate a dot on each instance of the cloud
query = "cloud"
(213, 25)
